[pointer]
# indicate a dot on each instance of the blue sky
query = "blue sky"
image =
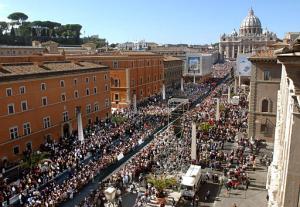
(161, 21)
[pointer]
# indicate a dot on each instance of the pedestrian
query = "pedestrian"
(247, 184)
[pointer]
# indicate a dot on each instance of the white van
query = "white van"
(190, 181)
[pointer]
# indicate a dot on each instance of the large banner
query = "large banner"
(193, 64)
(243, 65)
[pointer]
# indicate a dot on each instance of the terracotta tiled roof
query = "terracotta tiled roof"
(170, 58)
(264, 54)
(47, 67)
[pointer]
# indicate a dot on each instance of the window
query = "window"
(76, 95)
(115, 64)
(96, 107)
(265, 105)
(26, 128)
(29, 145)
(263, 128)
(87, 92)
(75, 81)
(24, 105)
(44, 101)
(266, 75)
(13, 132)
(16, 150)
(65, 116)
(22, 89)
(43, 86)
(95, 90)
(87, 80)
(9, 92)
(76, 112)
(62, 83)
(106, 103)
(106, 87)
(116, 82)
(95, 79)
(116, 97)
(63, 97)
(11, 108)
(46, 122)
(88, 108)
(105, 77)
(132, 82)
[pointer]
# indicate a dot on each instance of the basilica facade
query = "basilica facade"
(251, 37)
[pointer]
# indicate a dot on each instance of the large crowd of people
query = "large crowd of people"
(168, 154)
(105, 141)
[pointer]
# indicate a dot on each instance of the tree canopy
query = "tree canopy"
(19, 31)
(18, 17)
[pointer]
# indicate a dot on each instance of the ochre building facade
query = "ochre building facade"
(39, 97)
(133, 75)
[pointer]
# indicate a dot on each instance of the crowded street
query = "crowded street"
(70, 175)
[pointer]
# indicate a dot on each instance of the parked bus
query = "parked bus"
(190, 181)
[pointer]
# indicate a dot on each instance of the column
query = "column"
(232, 52)
(218, 109)
(220, 49)
(227, 51)
(239, 80)
(194, 143)
(134, 104)
(182, 81)
(243, 49)
(239, 49)
(229, 94)
(235, 85)
(194, 78)
(163, 91)
(249, 48)
(79, 124)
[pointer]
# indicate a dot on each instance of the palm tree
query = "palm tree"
(161, 183)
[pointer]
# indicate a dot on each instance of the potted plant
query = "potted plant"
(160, 183)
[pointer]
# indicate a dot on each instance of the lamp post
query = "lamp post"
(110, 194)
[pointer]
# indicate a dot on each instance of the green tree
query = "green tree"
(25, 29)
(18, 17)
(12, 32)
(3, 27)
(34, 159)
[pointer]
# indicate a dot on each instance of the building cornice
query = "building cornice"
(47, 74)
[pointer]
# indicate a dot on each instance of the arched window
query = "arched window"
(265, 105)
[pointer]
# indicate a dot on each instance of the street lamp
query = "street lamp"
(110, 194)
